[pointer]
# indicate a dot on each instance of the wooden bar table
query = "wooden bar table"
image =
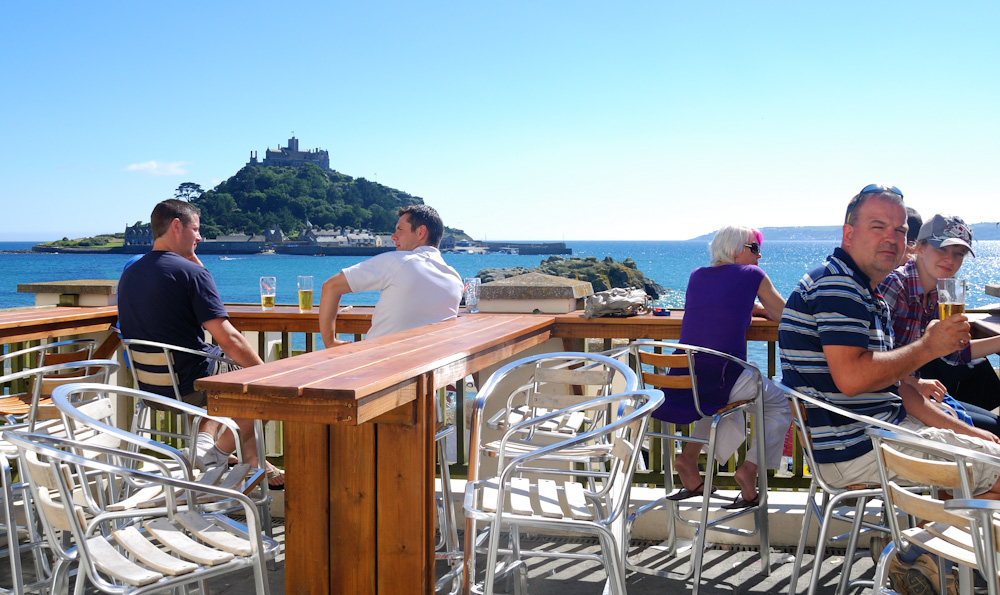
(647, 326)
(32, 324)
(359, 445)
(288, 319)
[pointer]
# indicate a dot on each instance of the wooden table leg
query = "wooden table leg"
(307, 509)
(352, 509)
(359, 508)
(406, 500)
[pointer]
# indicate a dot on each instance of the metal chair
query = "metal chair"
(58, 352)
(652, 360)
(74, 482)
(834, 504)
(448, 546)
(153, 365)
(535, 386)
(555, 381)
(905, 459)
(985, 535)
(88, 409)
(41, 381)
(522, 495)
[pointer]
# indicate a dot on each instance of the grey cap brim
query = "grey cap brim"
(950, 242)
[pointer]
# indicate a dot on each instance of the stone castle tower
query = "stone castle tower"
(292, 156)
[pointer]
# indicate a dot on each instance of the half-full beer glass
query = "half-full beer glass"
(951, 296)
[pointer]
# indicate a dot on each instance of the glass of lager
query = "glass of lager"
(305, 293)
(268, 287)
(951, 296)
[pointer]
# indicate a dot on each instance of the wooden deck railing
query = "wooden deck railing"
(284, 332)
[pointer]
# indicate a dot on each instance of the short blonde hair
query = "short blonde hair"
(728, 242)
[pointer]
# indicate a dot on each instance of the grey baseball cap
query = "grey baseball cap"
(946, 230)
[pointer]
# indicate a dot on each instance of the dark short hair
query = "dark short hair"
(913, 221)
(428, 217)
(167, 211)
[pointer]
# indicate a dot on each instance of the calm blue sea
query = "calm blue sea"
(667, 263)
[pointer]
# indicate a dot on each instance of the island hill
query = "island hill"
(292, 202)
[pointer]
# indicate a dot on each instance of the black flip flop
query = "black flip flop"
(739, 503)
(684, 493)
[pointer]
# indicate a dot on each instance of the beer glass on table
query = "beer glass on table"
(951, 296)
(268, 287)
(305, 293)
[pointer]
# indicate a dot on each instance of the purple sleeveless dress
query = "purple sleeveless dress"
(718, 306)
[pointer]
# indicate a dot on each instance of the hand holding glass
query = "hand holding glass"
(305, 293)
(951, 296)
(268, 288)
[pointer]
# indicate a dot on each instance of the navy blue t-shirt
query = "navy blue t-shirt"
(166, 298)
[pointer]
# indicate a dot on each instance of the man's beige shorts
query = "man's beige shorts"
(864, 469)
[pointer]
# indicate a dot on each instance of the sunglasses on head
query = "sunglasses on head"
(754, 247)
(870, 188)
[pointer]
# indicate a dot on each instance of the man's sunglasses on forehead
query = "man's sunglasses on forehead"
(870, 189)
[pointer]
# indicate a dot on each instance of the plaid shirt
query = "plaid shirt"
(905, 296)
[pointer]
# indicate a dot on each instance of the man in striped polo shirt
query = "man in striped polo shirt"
(835, 341)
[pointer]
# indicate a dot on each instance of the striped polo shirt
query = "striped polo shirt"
(834, 305)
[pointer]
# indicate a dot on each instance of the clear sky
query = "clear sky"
(535, 120)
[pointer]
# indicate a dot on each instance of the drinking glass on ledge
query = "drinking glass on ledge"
(268, 289)
(305, 293)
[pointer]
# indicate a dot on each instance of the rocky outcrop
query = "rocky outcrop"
(602, 274)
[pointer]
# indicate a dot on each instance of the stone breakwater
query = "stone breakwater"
(602, 274)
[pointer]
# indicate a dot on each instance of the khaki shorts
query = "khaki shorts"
(864, 469)
(198, 398)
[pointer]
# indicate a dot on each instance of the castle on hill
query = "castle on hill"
(292, 156)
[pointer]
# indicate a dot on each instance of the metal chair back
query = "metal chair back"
(653, 361)
(833, 503)
(560, 502)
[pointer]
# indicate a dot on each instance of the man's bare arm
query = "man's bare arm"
(933, 414)
(329, 304)
(234, 344)
(856, 370)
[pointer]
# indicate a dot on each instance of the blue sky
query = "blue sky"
(516, 120)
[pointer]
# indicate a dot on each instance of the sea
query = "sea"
(669, 263)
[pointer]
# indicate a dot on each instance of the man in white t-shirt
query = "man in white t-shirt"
(416, 286)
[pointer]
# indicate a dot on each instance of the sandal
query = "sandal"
(739, 503)
(272, 473)
(684, 493)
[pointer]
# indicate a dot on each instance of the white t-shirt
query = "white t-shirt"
(417, 288)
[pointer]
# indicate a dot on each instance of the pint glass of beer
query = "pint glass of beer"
(951, 296)
(305, 293)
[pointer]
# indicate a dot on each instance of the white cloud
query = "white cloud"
(160, 168)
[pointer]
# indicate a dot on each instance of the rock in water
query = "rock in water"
(602, 274)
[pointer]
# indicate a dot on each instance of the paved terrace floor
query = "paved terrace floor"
(726, 571)
(729, 570)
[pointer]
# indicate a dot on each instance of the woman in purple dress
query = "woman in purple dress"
(719, 303)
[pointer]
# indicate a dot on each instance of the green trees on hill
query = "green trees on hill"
(260, 197)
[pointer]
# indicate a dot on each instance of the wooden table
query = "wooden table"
(288, 319)
(32, 324)
(359, 446)
(647, 326)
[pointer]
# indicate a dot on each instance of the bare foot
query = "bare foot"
(746, 477)
(688, 471)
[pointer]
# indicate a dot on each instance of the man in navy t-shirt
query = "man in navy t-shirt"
(168, 296)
